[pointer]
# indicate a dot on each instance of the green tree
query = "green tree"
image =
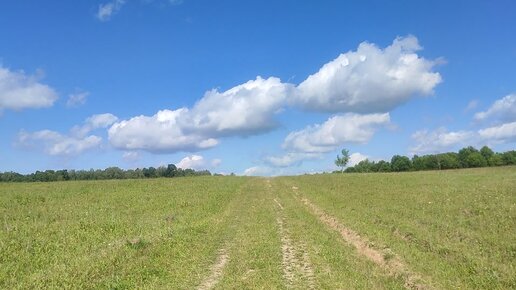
(400, 163)
(487, 153)
(343, 160)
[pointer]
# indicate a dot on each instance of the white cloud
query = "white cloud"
(94, 122)
(77, 100)
(216, 162)
(56, 144)
(499, 134)
(290, 158)
(338, 130)
(106, 10)
(131, 156)
(369, 79)
(440, 140)
(502, 110)
(257, 171)
(246, 109)
(473, 104)
(197, 162)
(19, 91)
(355, 158)
(194, 162)
(160, 133)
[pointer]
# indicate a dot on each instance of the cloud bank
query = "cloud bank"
(369, 79)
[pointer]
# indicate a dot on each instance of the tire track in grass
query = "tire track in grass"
(216, 271)
(296, 268)
(383, 258)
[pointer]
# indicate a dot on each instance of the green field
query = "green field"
(438, 229)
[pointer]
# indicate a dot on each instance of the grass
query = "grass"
(455, 228)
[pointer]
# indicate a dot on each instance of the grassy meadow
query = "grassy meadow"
(450, 229)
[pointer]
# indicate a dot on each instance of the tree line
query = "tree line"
(109, 173)
(468, 157)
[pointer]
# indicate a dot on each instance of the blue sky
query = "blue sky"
(251, 87)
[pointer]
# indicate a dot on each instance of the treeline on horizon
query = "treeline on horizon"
(109, 173)
(468, 157)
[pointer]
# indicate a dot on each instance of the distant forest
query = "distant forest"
(468, 157)
(109, 173)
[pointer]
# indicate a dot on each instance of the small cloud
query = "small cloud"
(20, 91)
(257, 171)
(193, 162)
(77, 100)
(131, 156)
(355, 158)
(215, 163)
(473, 104)
(106, 10)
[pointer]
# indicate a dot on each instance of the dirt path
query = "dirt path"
(297, 268)
(216, 271)
(383, 258)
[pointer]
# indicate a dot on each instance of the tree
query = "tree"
(342, 161)
(464, 154)
(487, 153)
(400, 163)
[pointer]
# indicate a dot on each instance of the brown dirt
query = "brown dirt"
(296, 261)
(383, 258)
(216, 271)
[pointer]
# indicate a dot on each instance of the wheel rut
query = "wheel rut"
(384, 258)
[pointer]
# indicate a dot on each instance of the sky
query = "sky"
(251, 87)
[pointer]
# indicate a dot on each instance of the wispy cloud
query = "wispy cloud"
(77, 99)
(106, 10)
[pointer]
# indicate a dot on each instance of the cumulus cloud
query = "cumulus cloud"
(56, 144)
(502, 110)
(499, 134)
(440, 140)
(160, 133)
(197, 162)
(370, 79)
(20, 91)
(243, 110)
(367, 80)
(77, 100)
(194, 162)
(355, 158)
(257, 171)
(347, 128)
(106, 10)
